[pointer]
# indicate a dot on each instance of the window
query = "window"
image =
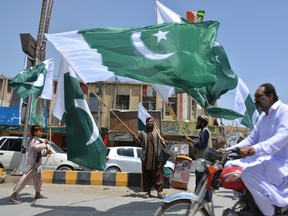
(93, 102)
(149, 97)
(139, 152)
(122, 102)
(15, 144)
(173, 104)
(149, 103)
(125, 152)
(11, 144)
(4, 145)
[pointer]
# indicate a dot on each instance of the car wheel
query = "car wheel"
(113, 169)
(65, 168)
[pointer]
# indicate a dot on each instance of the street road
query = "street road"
(93, 200)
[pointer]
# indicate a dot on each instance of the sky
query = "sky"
(253, 33)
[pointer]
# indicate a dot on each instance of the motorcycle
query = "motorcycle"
(215, 176)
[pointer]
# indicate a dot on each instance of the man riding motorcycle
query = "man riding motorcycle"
(265, 170)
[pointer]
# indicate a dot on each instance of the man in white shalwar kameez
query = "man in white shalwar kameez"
(265, 170)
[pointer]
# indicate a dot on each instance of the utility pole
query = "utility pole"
(3, 88)
(36, 51)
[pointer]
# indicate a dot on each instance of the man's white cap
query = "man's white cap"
(204, 117)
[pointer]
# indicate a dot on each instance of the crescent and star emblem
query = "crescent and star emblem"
(81, 103)
(144, 50)
(39, 82)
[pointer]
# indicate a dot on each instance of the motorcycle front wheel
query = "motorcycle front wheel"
(179, 207)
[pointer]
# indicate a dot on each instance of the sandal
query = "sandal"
(146, 196)
(161, 196)
(41, 197)
(14, 202)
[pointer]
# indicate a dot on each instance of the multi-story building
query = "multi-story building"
(114, 107)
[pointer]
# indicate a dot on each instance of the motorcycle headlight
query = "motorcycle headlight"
(200, 164)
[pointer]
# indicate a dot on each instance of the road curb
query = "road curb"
(92, 178)
(88, 178)
(96, 178)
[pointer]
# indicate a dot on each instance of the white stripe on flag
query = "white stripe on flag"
(164, 91)
(47, 91)
(59, 103)
(78, 52)
(165, 14)
(240, 104)
(142, 113)
(242, 93)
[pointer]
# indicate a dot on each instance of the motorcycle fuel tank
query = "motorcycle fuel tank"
(230, 178)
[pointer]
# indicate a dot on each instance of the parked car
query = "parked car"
(127, 159)
(10, 155)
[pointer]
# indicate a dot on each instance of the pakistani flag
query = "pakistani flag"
(38, 111)
(142, 116)
(226, 80)
(84, 143)
(164, 54)
(206, 95)
(35, 80)
(245, 105)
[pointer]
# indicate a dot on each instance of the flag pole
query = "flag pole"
(37, 56)
(181, 128)
(46, 27)
(158, 133)
(174, 115)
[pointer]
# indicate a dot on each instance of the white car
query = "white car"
(10, 156)
(127, 159)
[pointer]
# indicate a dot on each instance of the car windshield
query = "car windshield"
(56, 148)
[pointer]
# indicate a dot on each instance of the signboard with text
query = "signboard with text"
(172, 128)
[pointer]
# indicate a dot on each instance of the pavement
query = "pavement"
(73, 199)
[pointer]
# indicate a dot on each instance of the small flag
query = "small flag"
(245, 105)
(142, 116)
(195, 17)
(33, 80)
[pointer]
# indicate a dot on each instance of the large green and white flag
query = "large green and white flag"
(84, 143)
(207, 95)
(165, 14)
(35, 80)
(245, 105)
(163, 54)
(142, 116)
